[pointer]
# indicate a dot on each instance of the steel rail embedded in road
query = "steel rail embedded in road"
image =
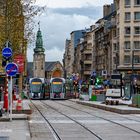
(73, 120)
(124, 126)
(53, 131)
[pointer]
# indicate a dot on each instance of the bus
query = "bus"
(37, 88)
(57, 88)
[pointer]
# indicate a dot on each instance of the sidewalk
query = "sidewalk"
(121, 109)
(18, 128)
(17, 114)
(14, 130)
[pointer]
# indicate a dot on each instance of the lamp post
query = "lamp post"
(132, 75)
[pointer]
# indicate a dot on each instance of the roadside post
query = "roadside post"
(6, 53)
(11, 70)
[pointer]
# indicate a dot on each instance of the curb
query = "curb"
(111, 109)
(14, 117)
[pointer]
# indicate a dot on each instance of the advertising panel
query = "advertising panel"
(19, 60)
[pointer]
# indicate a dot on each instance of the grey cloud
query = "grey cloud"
(58, 23)
(89, 11)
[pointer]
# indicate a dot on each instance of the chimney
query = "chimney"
(106, 10)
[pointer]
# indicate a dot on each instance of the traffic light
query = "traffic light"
(98, 81)
(3, 62)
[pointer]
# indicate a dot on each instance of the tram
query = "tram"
(57, 88)
(37, 88)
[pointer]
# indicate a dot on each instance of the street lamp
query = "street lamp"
(132, 75)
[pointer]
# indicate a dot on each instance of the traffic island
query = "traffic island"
(121, 109)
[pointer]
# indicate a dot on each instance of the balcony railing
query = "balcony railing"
(87, 72)
(88, 61)
(110, 24)
(88, 52)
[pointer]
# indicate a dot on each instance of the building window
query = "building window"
(137, 2)
(137, 45)
(115, 47)
(118, 31)
(126, 59)
(42, 66)
(127, 45)
(137, 16)
(127, 30)
(136, 59)
(127, 2)
(35, 67)
(114, 33)
(137, 30)
(127, 16)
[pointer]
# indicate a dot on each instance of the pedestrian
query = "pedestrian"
(1, 93)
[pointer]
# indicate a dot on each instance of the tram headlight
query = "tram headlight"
(39, 94)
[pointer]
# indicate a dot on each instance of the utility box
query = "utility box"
(93, 98)
(136, 100)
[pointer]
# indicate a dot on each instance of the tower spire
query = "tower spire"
(39, 25)
(39, 41)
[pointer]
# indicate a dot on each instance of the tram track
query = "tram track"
(113, 122)
(112, 112)
(52, 129)
(87, 129)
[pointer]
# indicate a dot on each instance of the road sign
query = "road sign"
(7, 52)
(19, 60)
(11, 69)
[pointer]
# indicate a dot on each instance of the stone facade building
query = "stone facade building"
(39, 57)
(128, 35)
(113, 43)
(70, 45)
(39, 68)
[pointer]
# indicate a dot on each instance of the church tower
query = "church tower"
(39, 57)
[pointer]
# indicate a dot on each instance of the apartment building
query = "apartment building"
(128, 37)
(67, 58)
(77, 58)
(70, 46)
(113, 45)
(105, 40)
(87, 55)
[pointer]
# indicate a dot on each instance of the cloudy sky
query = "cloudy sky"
(60, 18)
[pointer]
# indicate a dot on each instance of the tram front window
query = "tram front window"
(36, 88)
(57, 88)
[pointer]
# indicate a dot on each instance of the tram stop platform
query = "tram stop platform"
(123, 108)
(21, 114)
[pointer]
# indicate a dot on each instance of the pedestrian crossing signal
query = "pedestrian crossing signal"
(98, 81)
